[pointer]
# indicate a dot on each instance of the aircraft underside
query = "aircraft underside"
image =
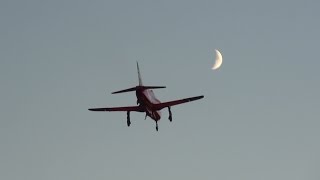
(155, 115)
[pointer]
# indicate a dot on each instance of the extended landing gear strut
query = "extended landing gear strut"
(170, 114)
(157, 126)
(128, 118)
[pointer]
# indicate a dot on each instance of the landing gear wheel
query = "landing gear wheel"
(157, 126)
(170, 114)
(128, 118)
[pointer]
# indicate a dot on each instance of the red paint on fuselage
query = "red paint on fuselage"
(147, 99)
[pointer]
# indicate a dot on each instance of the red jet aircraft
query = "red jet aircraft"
(147, 102)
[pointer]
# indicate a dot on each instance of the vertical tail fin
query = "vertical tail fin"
(140, 87)
(139, 76)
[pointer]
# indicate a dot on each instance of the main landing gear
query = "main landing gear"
(157, 128)
(128, 118)
(170, 114)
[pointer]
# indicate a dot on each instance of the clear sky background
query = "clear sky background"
(259, 118)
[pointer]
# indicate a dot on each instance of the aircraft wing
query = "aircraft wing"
(176, 102)
(126, 108)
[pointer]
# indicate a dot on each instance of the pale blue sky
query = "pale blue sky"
(259, 118)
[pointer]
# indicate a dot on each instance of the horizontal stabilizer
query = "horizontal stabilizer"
(125, 90)
(153, 87)
(138, 87)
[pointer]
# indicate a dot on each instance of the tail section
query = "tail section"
(140, 86)
(139, 76)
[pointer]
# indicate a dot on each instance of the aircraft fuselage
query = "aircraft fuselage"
(147, 99)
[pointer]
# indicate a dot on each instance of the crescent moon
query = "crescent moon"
(218, 60)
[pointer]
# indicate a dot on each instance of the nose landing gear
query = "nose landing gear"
(157, 126)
